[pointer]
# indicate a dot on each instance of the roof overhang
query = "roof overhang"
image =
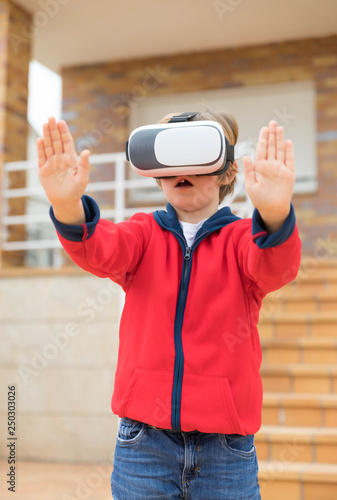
(82, 32)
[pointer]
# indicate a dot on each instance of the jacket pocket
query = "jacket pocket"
(208, 405)
(148, 398)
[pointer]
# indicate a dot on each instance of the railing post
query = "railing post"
(2, 199)
(4, 184)
(120, 211)
(120, 190)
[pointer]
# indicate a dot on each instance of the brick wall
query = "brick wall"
(15, 37)
(98, 99)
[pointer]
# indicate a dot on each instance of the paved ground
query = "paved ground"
(53, 481)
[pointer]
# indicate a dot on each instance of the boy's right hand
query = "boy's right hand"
(63, 176)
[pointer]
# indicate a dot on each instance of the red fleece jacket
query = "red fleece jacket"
(189, 353)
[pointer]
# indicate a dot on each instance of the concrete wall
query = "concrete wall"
(58, 346)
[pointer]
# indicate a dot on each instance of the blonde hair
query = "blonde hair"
(231, 131)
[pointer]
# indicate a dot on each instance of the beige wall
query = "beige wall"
(59, 343)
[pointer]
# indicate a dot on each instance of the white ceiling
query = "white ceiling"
(79, 32)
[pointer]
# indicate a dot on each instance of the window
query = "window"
(291, 104)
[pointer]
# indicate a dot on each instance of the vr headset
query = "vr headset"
(179, 147)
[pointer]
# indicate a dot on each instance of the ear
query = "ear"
(228, 179)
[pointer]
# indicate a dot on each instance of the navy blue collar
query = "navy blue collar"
(167, 219)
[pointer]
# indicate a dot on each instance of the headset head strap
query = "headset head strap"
(184, 117)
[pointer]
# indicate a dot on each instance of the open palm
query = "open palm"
(270, 179)
(63, 176)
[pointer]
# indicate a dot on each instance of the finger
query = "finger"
(280, 147)
(273, 125)
(249, 171)
(83, 167)
(41, 154)
(271, 153)
(289, 155)
(261, 147)
(55, 136)
(66, 137)
(83, 161)
(48, 145)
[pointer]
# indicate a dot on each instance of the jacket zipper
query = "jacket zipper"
(179, 353)
(178, 324)
(187, 258)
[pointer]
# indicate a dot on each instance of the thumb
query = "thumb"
(249, 171)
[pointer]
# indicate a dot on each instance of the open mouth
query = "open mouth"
(183, 182)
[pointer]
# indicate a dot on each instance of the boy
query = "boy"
(187, 385)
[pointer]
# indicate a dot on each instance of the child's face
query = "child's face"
(194, 197)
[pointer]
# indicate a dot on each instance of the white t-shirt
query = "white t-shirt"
(190, 230)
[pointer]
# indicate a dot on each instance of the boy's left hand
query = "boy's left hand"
(270, 180)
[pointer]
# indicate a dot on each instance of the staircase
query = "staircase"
(297, 443)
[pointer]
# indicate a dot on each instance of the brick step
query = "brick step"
(281, 326)
(300, 378)
(301, 302)
(319, 280)
(304, 350)
(314, 265)
(297, 444)
(303, 410)
(308, 272)
(281, 480)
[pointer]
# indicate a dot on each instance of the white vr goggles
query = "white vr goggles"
(180, 147)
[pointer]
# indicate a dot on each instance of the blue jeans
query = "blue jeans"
(153, 464)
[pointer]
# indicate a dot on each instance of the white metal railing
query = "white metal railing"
(40, 234)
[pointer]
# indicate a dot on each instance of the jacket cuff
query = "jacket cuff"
(77, 232)
(265, 240)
